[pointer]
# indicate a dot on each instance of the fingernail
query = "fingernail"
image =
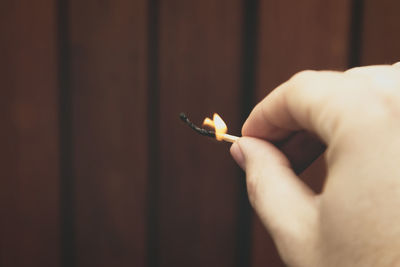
(237, 155)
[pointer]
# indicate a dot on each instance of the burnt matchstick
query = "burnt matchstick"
(197, 129)
(219, 136)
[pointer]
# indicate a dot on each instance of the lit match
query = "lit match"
(217, 123)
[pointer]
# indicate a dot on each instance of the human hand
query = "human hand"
(355, 221)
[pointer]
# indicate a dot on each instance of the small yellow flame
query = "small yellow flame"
(218, 124)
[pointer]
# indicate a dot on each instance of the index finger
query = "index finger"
(298, 104)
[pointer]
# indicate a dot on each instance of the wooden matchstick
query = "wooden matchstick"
(230, 138)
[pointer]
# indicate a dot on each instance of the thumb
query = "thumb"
(285, 205)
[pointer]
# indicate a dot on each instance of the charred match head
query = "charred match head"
(198, 129)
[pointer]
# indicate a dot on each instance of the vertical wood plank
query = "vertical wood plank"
(199, 68)
(294, 36)
(380, 38)
(108, 78)
(29, 136)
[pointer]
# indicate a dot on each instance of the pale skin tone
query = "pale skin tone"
(355, 221)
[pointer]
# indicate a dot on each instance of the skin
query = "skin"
(355, 221)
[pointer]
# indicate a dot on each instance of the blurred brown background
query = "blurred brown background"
(97, 169)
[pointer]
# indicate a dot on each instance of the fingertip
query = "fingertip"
(252, 123)
(250, 128)
(269, 120)
(259, 128)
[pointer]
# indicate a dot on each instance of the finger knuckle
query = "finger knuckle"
(302, 80)
(303, 75)
(354, 70)
(382, 94)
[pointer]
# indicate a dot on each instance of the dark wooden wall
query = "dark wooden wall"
(97, 169)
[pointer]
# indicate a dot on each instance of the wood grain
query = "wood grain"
(294, 36)
(200, 73)
(29, 136)
(145, 189)
(109, 83)
(380, 37)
